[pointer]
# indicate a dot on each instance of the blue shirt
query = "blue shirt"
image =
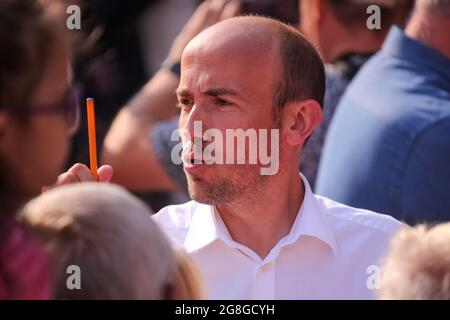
(337, 75)
(388, 146)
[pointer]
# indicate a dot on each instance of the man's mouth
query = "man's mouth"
(190, 159)
(193, 165)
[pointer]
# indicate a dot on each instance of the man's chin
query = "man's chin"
(201, 198)
(198, 190)
(207, 192)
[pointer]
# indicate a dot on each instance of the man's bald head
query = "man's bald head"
(240, 33)
(267, 41)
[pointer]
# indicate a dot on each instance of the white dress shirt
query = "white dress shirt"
(331, 252)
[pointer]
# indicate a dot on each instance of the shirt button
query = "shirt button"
(265, 267)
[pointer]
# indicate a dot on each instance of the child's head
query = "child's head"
(418, 264)
(109, 235)
(37, 106)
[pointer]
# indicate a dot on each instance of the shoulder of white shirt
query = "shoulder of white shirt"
(179, 216)
(363, 218)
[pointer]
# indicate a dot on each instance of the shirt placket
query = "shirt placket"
(263, 287)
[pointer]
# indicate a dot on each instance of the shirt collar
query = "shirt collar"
(203, 228)
(312, 220)
(207, 226)
(399, 45)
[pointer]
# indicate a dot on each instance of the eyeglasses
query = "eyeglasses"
(69, 106)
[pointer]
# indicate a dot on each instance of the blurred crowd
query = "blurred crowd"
(383, 142)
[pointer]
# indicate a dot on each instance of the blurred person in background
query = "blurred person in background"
(417, 266)
(38, 115)
(36, 119)
(388, 145)
(339, 29)
(284, 10)
(110, 58)
(108, 62)
(108, 234)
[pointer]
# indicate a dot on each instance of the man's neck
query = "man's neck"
(430, 29)
(260, 224)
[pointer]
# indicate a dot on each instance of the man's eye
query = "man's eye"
(222, 103)
(183, 103)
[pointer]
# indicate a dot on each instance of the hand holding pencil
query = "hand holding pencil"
(80, 172)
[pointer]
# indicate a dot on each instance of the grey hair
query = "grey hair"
(417, 266)
(109, 235)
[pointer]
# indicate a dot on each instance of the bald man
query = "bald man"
(258, 234)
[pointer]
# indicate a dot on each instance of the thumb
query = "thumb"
(230, 10)
(105, 173)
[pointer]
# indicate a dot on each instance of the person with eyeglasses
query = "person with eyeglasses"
(38, 115)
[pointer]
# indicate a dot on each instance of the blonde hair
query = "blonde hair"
(186, 280)
(418, 264)
(110, 236)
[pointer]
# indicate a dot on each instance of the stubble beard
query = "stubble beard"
(223, 190)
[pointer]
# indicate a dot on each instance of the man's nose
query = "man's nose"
(195, 123)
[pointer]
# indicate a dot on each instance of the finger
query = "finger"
(216, 6)
(199, 16)
(232, 9)
(215, 11)
(105, 173)
(66, 178)
(81, 172)
(201, 10)
(63, 179)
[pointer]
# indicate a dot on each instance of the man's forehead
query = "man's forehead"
(235, 37)
(211, 79)
(237, 51)
(240, 72)
(231, 55)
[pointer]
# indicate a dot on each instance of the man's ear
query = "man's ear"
(299, 121)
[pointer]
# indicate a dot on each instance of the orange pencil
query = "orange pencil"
(92, 137)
